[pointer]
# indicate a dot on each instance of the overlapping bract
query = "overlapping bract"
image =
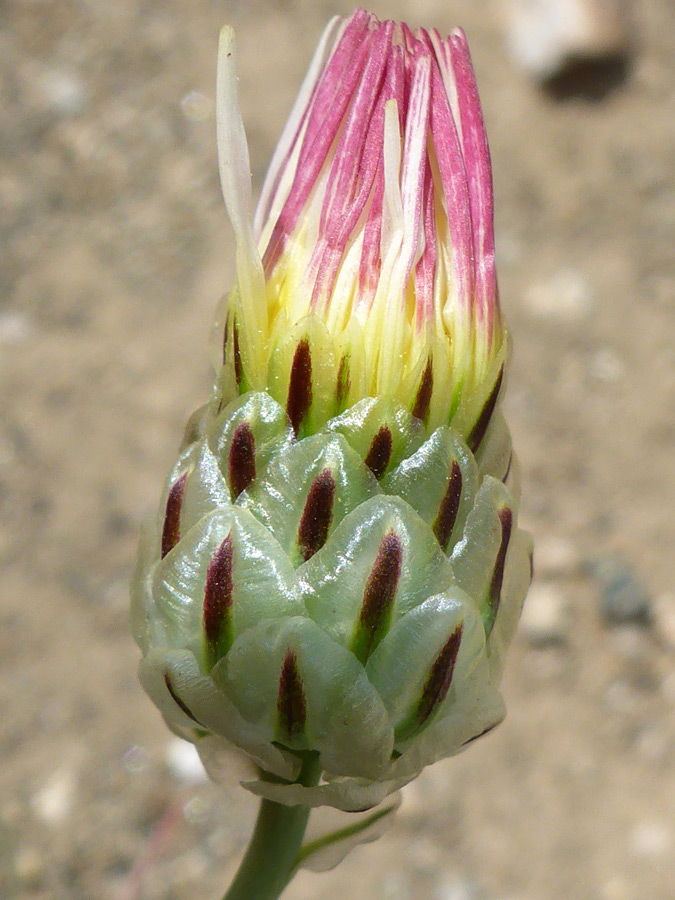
(294, 598)
(336, 568)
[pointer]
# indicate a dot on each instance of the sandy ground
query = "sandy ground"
(115, 248)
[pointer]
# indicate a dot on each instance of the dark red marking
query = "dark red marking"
(174, 503)
(379, 454)
(378, 596)
(440, 677)
(424, 391)
(494, 593)
(300, 385)
(179, 703)
(218, 597)
(343, 382)
(508, 468)
(317, 515)
(449, 507)
(481, 734)
(291, 704)
(478, 431)
(241, 462)
(238, 365)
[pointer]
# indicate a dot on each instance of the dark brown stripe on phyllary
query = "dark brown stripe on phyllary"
(291, 704)
(174, 503)
(218, 593)
(447, 511)
(508, 468)
(179, 703)
(423, 399)
(506, 520)
(379, 594)
(440, 678)
(481, 734)
(241, 462)
(300, 385)
(317, 515)
(379, 454)
(226, 332)
(343, 382)
(478, 431)
(238, 366)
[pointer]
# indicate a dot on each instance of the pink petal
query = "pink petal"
(479, 176)
(330, 102)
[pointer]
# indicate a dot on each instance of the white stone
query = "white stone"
(136, 759)
(668, 686)
(545, 35)
(653, 744)
(55, 800)
(615, 889)
(197, 106)
(184, 762)
(15, 328)
(464, 889)
(29, 865)
(620, 698)
(607, 365)
(663, 614)
(555, 557)
(64, 92)
(651, 839)
(565, 296)
(629, 641)
(545, 614)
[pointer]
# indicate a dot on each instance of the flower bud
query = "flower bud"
(336, 568)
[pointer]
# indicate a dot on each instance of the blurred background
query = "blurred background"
(115, 249)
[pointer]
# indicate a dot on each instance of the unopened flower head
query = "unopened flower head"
(370, 266)
(336, 568)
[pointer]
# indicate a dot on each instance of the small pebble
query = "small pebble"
(135, 760)
(196, 810)
(184, 762)
(548, 36)
(651, 839)
(545, 615)
(663, 614)
(14, 194)
(426, 853)
(54, 802)
(623, 597)
(15, 328)
(615, 889)
(396, 887)
(189, 866)
(629, 641)
(653, 744)
(64, 92)
(556, 557)
(29, 865)
(668, 686)
(196, 106)
(621, 698)
(606, 365)
(464, 889)
(564, 297)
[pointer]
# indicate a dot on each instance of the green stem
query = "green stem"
(270, 859)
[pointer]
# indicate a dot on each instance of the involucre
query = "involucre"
(336, 569)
